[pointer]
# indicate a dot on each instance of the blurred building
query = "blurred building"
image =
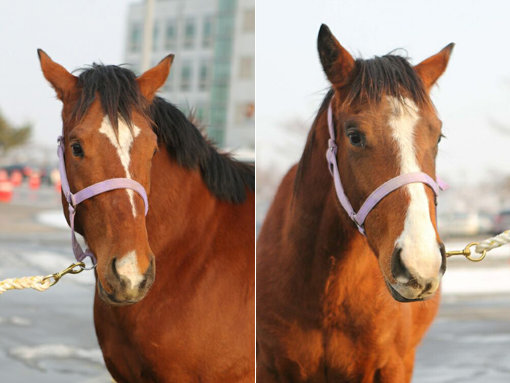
(214, 69)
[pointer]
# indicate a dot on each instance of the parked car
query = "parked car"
(502, 222)
(16, 167)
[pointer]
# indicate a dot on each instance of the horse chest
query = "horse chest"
(351, 351)
(359, 325)
(173, 340)
(350, 341)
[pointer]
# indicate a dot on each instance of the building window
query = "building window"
(203, 80)
(189, 34)
(244, 113)
(186, 77)
(135, 38)
(155, 37)
(168, 86)
(249, 20)
(200, 116)
(246, 68)
(207, 33)
(170, 36)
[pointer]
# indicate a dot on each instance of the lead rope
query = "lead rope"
(43, 283)
(482, 247)
(39, 282)
(36, 282)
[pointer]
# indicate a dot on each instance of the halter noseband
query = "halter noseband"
(90, 191)
(378, 194)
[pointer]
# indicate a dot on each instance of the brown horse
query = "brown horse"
(329, 300)
(193, 320)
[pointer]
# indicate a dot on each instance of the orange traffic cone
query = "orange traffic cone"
(55, 179)
(16, 178)
(5, 190)
(34, 182)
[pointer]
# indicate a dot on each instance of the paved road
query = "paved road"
(44, 337)
(469, 342)
(49, 337)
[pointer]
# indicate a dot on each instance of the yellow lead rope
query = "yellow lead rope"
(494, 242)
(39, 282)
(36, 282)
(482, 247)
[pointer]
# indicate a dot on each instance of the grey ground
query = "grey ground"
(44, 337)
(49, 337)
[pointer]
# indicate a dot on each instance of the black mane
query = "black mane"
(225, 177)
(117, 89)
(119, 95)
(390, 75)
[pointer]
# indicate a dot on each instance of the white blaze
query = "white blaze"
(420, 251)
(127, 267)
(122, 143)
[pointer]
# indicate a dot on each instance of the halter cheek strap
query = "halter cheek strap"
(90, 191)
(378, 194)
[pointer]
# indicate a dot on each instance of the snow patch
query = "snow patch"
(33, 355)
(50, 262)
(17, 321)
(53, 218)
(466, 281)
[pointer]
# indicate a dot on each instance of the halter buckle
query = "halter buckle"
(332, 145)
(71, 200)
(360, 226)
(60, 142)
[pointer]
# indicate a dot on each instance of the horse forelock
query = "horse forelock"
(389, 75)
(118, 92)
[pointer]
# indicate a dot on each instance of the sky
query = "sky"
(474, 90)
(74, 33)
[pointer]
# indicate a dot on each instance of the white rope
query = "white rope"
(37, 282)
(492, 243)
(41, 283)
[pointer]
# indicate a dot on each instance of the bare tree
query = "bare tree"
(11, 136)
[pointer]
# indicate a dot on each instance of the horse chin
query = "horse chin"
(400, 298)
(112, 300)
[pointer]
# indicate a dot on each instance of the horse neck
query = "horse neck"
(181, 208)
(323, 235)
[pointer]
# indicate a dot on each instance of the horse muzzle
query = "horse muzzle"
(124, 286)
(409, 284)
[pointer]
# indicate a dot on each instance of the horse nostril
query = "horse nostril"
(427, 288)
(120, 278)
(398, 269)
(443, 258)
(149, 275)
(114, 268)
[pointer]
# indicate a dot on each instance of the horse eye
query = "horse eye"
(77, 150)
(356, 138)
(440, 137)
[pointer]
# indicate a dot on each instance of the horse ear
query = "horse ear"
(153, 79)
(60, 79)
(432, 68)
(337, 63)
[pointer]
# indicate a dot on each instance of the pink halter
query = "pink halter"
(90, 191)
(378, 194)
